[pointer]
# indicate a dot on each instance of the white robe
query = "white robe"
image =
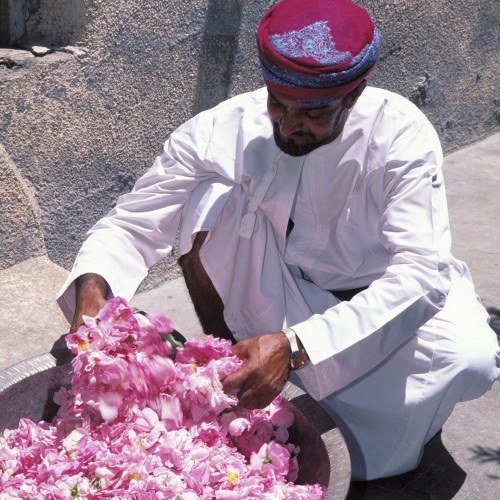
(369, 211)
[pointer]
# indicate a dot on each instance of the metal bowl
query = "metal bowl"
(27, 389)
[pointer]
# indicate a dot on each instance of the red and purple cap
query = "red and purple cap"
(316, 51)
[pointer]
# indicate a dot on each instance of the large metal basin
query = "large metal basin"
(27, 389)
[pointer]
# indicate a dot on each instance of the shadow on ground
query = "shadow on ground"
(437, 476)
(484, 454)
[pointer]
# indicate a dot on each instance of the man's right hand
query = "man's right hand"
(91, 293)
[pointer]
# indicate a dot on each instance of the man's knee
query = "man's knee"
(206, 300)
(480, 360)
(192, 258)
(197, 280)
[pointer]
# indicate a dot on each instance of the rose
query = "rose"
(134, 424)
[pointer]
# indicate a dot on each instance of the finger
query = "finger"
(240, 349)
(75, 325)
(234, 380)
(253, 399)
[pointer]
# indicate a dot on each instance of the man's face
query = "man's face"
(298, 129)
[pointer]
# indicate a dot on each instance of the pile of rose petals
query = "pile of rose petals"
(137, 424)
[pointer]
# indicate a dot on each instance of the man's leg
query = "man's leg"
(389, 414)
(206, 301)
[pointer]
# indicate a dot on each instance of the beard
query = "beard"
(290, 147)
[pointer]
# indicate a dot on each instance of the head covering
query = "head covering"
(317, 50)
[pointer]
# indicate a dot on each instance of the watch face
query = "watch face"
(300, 360)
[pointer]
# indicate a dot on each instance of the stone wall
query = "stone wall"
(87, 103)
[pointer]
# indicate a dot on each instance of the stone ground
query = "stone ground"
(463, 462)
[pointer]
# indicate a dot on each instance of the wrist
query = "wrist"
(92, 283)
(298, 354)
(92, 291)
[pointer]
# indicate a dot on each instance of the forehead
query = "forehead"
(304, 104)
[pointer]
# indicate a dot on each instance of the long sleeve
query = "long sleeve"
(210, 151)
(141, 229)
(353, 337)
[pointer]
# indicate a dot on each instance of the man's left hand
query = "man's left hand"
(266, 365)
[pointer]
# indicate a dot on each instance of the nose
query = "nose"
(290, 123)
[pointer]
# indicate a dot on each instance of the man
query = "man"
(313, 233)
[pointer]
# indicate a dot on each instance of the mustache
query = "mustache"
(296, 135)
(290, 147)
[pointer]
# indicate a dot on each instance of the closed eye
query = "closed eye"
(313, 116)
(273, 101)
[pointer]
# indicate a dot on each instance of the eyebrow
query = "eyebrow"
(306, 108)
(313, 108)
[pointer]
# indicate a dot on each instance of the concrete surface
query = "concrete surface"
(30, 322)
(462, 463)
(20, 232)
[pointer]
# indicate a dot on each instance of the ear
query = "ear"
(352, 97)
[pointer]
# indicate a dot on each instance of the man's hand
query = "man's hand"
(266, 364)
(91, 293)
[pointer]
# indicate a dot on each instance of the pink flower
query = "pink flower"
(280, 416)
(134, 424)
(201, 351)
(293, 469)
(238, 426)
(109, 404)
(251, 441)
(118, 313)
(271, 458)
(146, 420)
(159, 323)
(169, 409)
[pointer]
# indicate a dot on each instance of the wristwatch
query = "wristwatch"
(298, 357)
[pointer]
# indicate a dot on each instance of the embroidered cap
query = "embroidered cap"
(316, 51)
